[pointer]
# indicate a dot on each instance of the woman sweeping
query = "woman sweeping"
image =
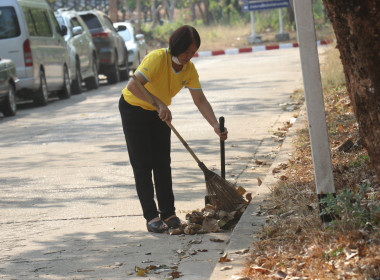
(163, 72)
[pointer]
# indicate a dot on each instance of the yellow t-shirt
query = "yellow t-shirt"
(162, 80)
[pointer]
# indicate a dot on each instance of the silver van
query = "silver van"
(31, 36)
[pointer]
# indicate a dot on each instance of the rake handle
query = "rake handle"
(222, 153)
(151, 101)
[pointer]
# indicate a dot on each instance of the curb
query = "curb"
(250, 223)
(255, 49)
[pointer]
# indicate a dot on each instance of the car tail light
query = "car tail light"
(100, 34)
(28, 54)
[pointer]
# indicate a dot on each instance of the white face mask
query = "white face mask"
(175, 60)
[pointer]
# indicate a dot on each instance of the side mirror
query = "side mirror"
(140, 37)
(63, 30)
(121, 28)
(77, 30)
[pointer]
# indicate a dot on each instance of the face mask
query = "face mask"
(175, 60)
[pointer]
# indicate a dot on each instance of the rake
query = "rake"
(222, 193)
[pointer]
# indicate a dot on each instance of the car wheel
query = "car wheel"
(42, 93)
(9, 106)
(114, 75)
(76, 86)
(124, 74)
(66, 90)
(93, 82)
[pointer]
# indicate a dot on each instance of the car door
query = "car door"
(3, 79)
(117, 39)
(81, 45)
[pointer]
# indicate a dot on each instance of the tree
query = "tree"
(113, 10)
(357, 29)
(138, 23)
(169, 9)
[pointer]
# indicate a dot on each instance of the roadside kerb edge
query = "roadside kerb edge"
(255, 49)
(250, 223)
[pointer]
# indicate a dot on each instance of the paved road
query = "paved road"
(68, 205)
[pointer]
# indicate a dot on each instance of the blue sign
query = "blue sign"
(253, 5)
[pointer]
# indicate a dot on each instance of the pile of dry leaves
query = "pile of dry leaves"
(294, 243)
(213, 219)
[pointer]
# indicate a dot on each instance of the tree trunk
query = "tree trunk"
(138, 22)
(155, 14)
(113, 10)
(357, 28)
(192, 8)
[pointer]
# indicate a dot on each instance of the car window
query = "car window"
(91, 21)
(74, 22)
(9, 26)
(60, 20)
(108, 23)
(40, 20)
(30, 22)
(55, 22)
(126, 35)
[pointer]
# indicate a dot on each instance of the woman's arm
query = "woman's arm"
(207, 112)
(163, 111)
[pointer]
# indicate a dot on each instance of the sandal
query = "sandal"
(157, 227)
(173, 222)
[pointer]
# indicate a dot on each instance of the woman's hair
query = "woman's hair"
(182, 38)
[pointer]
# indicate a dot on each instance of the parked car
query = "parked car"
(83, 54)
(8, 86)
(112, 53)
(31, 37)
(136, 45)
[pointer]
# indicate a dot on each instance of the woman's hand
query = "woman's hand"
(222, 135)
(164, 113)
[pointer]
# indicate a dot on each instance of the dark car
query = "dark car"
(112, 53)
(8, 84)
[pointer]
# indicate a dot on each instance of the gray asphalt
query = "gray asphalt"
(68, 205)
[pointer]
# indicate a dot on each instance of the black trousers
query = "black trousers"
(148, 143)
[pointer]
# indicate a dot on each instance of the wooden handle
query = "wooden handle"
(222, 154)
(151, 101)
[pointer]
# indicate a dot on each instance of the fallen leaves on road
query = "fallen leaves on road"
(212, 219)
(224, 258)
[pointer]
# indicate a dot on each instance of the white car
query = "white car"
(135, 44)
(83, 54)
(31, 37)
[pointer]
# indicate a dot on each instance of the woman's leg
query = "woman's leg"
(136, 126)
(162, 169)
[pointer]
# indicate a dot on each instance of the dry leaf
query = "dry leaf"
(210, 224)
(284, 178)
(140, 271)
(350, 253)
(176, 274)
(276, 170)
(259, 269)
(217, 240)
(224, 258)
(248, 197)
(279, 274)
(259, 182)
(241, 190)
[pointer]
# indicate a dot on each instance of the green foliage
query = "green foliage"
(352, 208)
(333, 253)
(361, 160)
(163, 31)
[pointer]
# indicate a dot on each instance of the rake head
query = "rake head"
(222, 193)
